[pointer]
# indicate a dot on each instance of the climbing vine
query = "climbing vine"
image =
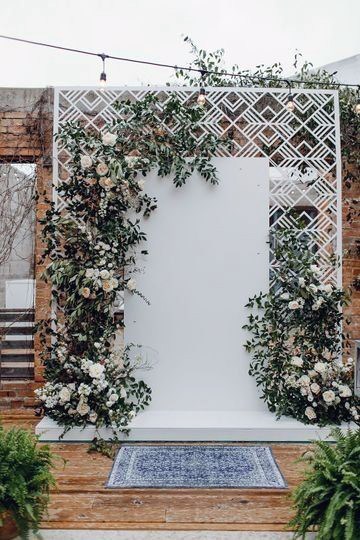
(91, 253)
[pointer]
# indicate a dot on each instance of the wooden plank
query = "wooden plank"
(81, 500)
(17, 352)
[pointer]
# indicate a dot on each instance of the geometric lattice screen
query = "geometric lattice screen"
(303, 147)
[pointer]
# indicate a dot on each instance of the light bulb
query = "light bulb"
(201, 100)
(103, 80)
(290, 105)
(357, 107)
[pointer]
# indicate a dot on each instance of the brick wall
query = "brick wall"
(351, 249)
(26, 125)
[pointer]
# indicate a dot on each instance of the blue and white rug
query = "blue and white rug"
(195, 466)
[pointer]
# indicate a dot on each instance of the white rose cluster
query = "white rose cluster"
(322, 385)
(108, 139)
(100, 386)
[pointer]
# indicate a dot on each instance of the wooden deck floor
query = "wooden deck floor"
(82, 502)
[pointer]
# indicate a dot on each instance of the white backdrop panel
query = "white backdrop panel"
(207, 255)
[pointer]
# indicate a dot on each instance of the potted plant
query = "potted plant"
(328, 500)
(25, 482)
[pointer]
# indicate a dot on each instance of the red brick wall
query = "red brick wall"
(351, 250)
(26, 127)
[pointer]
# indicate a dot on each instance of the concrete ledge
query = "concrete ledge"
(197, 426)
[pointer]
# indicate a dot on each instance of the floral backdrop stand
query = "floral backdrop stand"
(105, 141)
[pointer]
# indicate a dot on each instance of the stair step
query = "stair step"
(17, 373)
(15, 358)
(16, 344)
(16, 330)
(14, 317)
(16, 352)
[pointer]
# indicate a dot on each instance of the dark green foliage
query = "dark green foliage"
(25, 478)
(295, 338)
(329, 497)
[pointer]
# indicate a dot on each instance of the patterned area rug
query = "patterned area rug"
(195, 466)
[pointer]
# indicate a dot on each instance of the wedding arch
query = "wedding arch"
(302, 152)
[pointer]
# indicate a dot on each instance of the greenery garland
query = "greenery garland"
(91, 252)
(296, 342)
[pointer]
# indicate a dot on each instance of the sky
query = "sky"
(252, 32)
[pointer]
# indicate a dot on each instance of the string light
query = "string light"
(201, 100)
(251, 78)
(103, 57)
(290, 104)
(357, 105)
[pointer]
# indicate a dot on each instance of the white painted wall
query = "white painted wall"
(207, 255)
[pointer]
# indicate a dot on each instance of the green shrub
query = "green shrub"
(25, 478)
(329, 497)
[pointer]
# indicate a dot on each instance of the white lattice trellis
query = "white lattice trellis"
(303, 146)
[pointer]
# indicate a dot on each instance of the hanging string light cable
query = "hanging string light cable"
(250, 78)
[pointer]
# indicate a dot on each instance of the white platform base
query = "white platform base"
(196, 426)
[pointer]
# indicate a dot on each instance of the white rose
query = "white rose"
(109, 403)
(313, 288)
(317, 304)
(64, 394)
(312, 373)
(102, 169)
(304, 380)
(113, 398)
(131, 284)
(141, 184)
(106, 183)
(328, 396)
(327, 288)
(315, 388)
(82, 408)
(320, 367)
(123, 393)
(110, 284)
(285, 296)
(86, 162)
(96, 370)
(297, 361)
(314, 268)
(104, 274)
(302, 282)
(93, 417)
(109, 139)
(310, 413)
(294, 304)
(131, 160)
(89, 272)
(344, 391)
